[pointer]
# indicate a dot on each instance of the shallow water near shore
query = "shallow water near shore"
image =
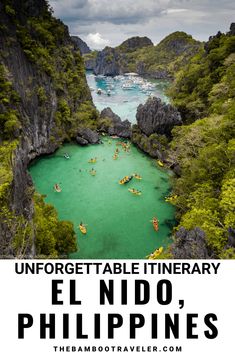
(118, 222)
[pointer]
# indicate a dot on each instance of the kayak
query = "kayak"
(135, 192)
(82, 229)
(155, 223)
(160, 163)
(125, 180)
(156, 253)
(57, 188)
(137, 176)
(171, 198)
(92, 160)
(92, 172)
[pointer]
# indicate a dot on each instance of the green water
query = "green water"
(118, 222)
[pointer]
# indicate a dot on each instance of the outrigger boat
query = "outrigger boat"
(92, 160)
(57, 188)
(82, 228)
(155, 254)
(137, 176)
(135, 192)
(125, 180)
(155, 223)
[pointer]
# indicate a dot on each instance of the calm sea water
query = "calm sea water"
(118, 222)
(124, 102)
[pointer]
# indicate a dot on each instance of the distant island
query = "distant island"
(138, 54)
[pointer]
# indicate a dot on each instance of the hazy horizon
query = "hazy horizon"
(102, 22)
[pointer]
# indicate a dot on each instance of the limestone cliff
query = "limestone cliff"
(48, 102)
(114, 61)
(81, 45)
(138, 54)
(155, 120)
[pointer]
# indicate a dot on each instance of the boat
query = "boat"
(92, 160)
(131, 74)
(156, 253)
(125, 180)
(57, 188)
(135, 192)
(127, 85)
(155, 223)
(160, 163)
(137, 176)
(82, 228)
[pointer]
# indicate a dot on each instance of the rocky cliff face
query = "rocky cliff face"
(190, 244)
(155, 120)
(108, 62)
(157, 117)
(81, 45)
(140, 55)
(134, 43)
(47, 75)
(114, 61)
(112, 124)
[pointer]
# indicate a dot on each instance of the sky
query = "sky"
(109, 22)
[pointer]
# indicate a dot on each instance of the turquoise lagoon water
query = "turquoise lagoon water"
(118, 222)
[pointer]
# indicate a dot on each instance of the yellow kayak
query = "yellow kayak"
(82, 228)
(156, 253)
(92, 160)
(135, 192)
(160, 163)
(125, 180)
(171, 198)
(137, 176)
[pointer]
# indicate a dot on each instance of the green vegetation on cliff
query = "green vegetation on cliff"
(167, 57)
(138, 54)
(204, 148)
(44, 99)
